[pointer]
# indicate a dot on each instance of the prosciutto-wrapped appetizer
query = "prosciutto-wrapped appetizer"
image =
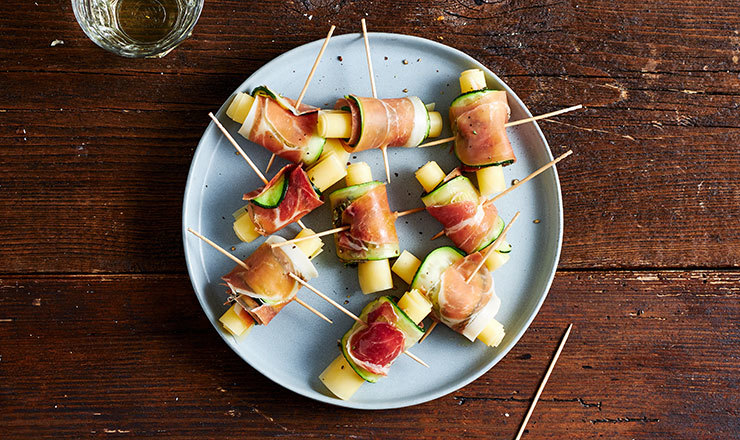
(370, 347)
(467, 308)
(367, 123)
(371, 238)
(274, 122)
(469, 220)
(263, 289)
(285, 199)
(478, 116)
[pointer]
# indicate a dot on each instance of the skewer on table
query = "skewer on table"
(308, 81)
(242, 264)
(340, 229)
(512, 123)
(383, 150)
(544, 381)
(244, 155)
(347, 312)
(537, 172)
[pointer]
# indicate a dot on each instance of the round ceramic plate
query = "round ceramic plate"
(296, 346)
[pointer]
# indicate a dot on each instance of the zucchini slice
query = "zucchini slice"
(274, 195)
(468, 97)
(493, 233)
(454, 190)
(430, 272)
(412, 334)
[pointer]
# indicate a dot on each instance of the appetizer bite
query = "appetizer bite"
(369, 237)
(274, 122)
(368, 123)
(265, 282)
(470, 220)
(478, 120)
(458, 290)
(382, 332)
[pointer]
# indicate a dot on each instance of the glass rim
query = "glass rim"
(147, 50)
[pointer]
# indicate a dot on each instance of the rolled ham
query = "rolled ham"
(379, 123)
(289, 132)
(372, 230)
(265, 286)
(478, 126)
(300, 199)
(468, 224)
(466, 307)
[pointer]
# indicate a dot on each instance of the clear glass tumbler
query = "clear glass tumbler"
(137, 28)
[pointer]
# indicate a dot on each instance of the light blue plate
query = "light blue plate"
(297, 346)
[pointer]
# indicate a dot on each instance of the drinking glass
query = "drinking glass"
(137, 28)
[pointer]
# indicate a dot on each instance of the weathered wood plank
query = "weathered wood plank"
(652, 355)
(94, 149)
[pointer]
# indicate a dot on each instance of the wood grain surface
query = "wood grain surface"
(101, 335)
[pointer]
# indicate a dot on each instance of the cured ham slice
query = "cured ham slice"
(372, 230)
(300, 199)
(265, 286)
(378, 123)
(467, 223)
(478, 120)
(466, 307)
(373, 345)
(289, 132)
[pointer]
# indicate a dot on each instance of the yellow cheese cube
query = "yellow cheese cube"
(341, 379)
(406, 266)
(430, 175)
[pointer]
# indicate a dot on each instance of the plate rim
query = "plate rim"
(434, 394)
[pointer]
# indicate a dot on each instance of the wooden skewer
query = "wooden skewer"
(242, 264)
(409, 211)
(429, 330)
(544, 381)
(308, 81)
(346, 312)
(492, 247)
(369, 61)
(339, 229)
(539, 171)
(244, 155)
(269, 163)
(512, 123)
(308, 237)
(238, 148)
(383, 150)
(315, 312)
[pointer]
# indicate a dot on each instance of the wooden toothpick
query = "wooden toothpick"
(544, 381)
(338, 229)
(346, 312)
(244, 265)
(512, 124)
(428, 331)
(238, 148)
(308, 81)
(492, 247)
(539, 171)
(383, 150)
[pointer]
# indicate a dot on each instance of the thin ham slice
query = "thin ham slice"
(281, 128)
(371, 224)
(300, 199)
(378, 123)
(462, 305)
(374, 347)
(265, 286)
(467, 223)
(480, 135)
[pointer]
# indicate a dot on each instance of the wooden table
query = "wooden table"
(102, 336)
